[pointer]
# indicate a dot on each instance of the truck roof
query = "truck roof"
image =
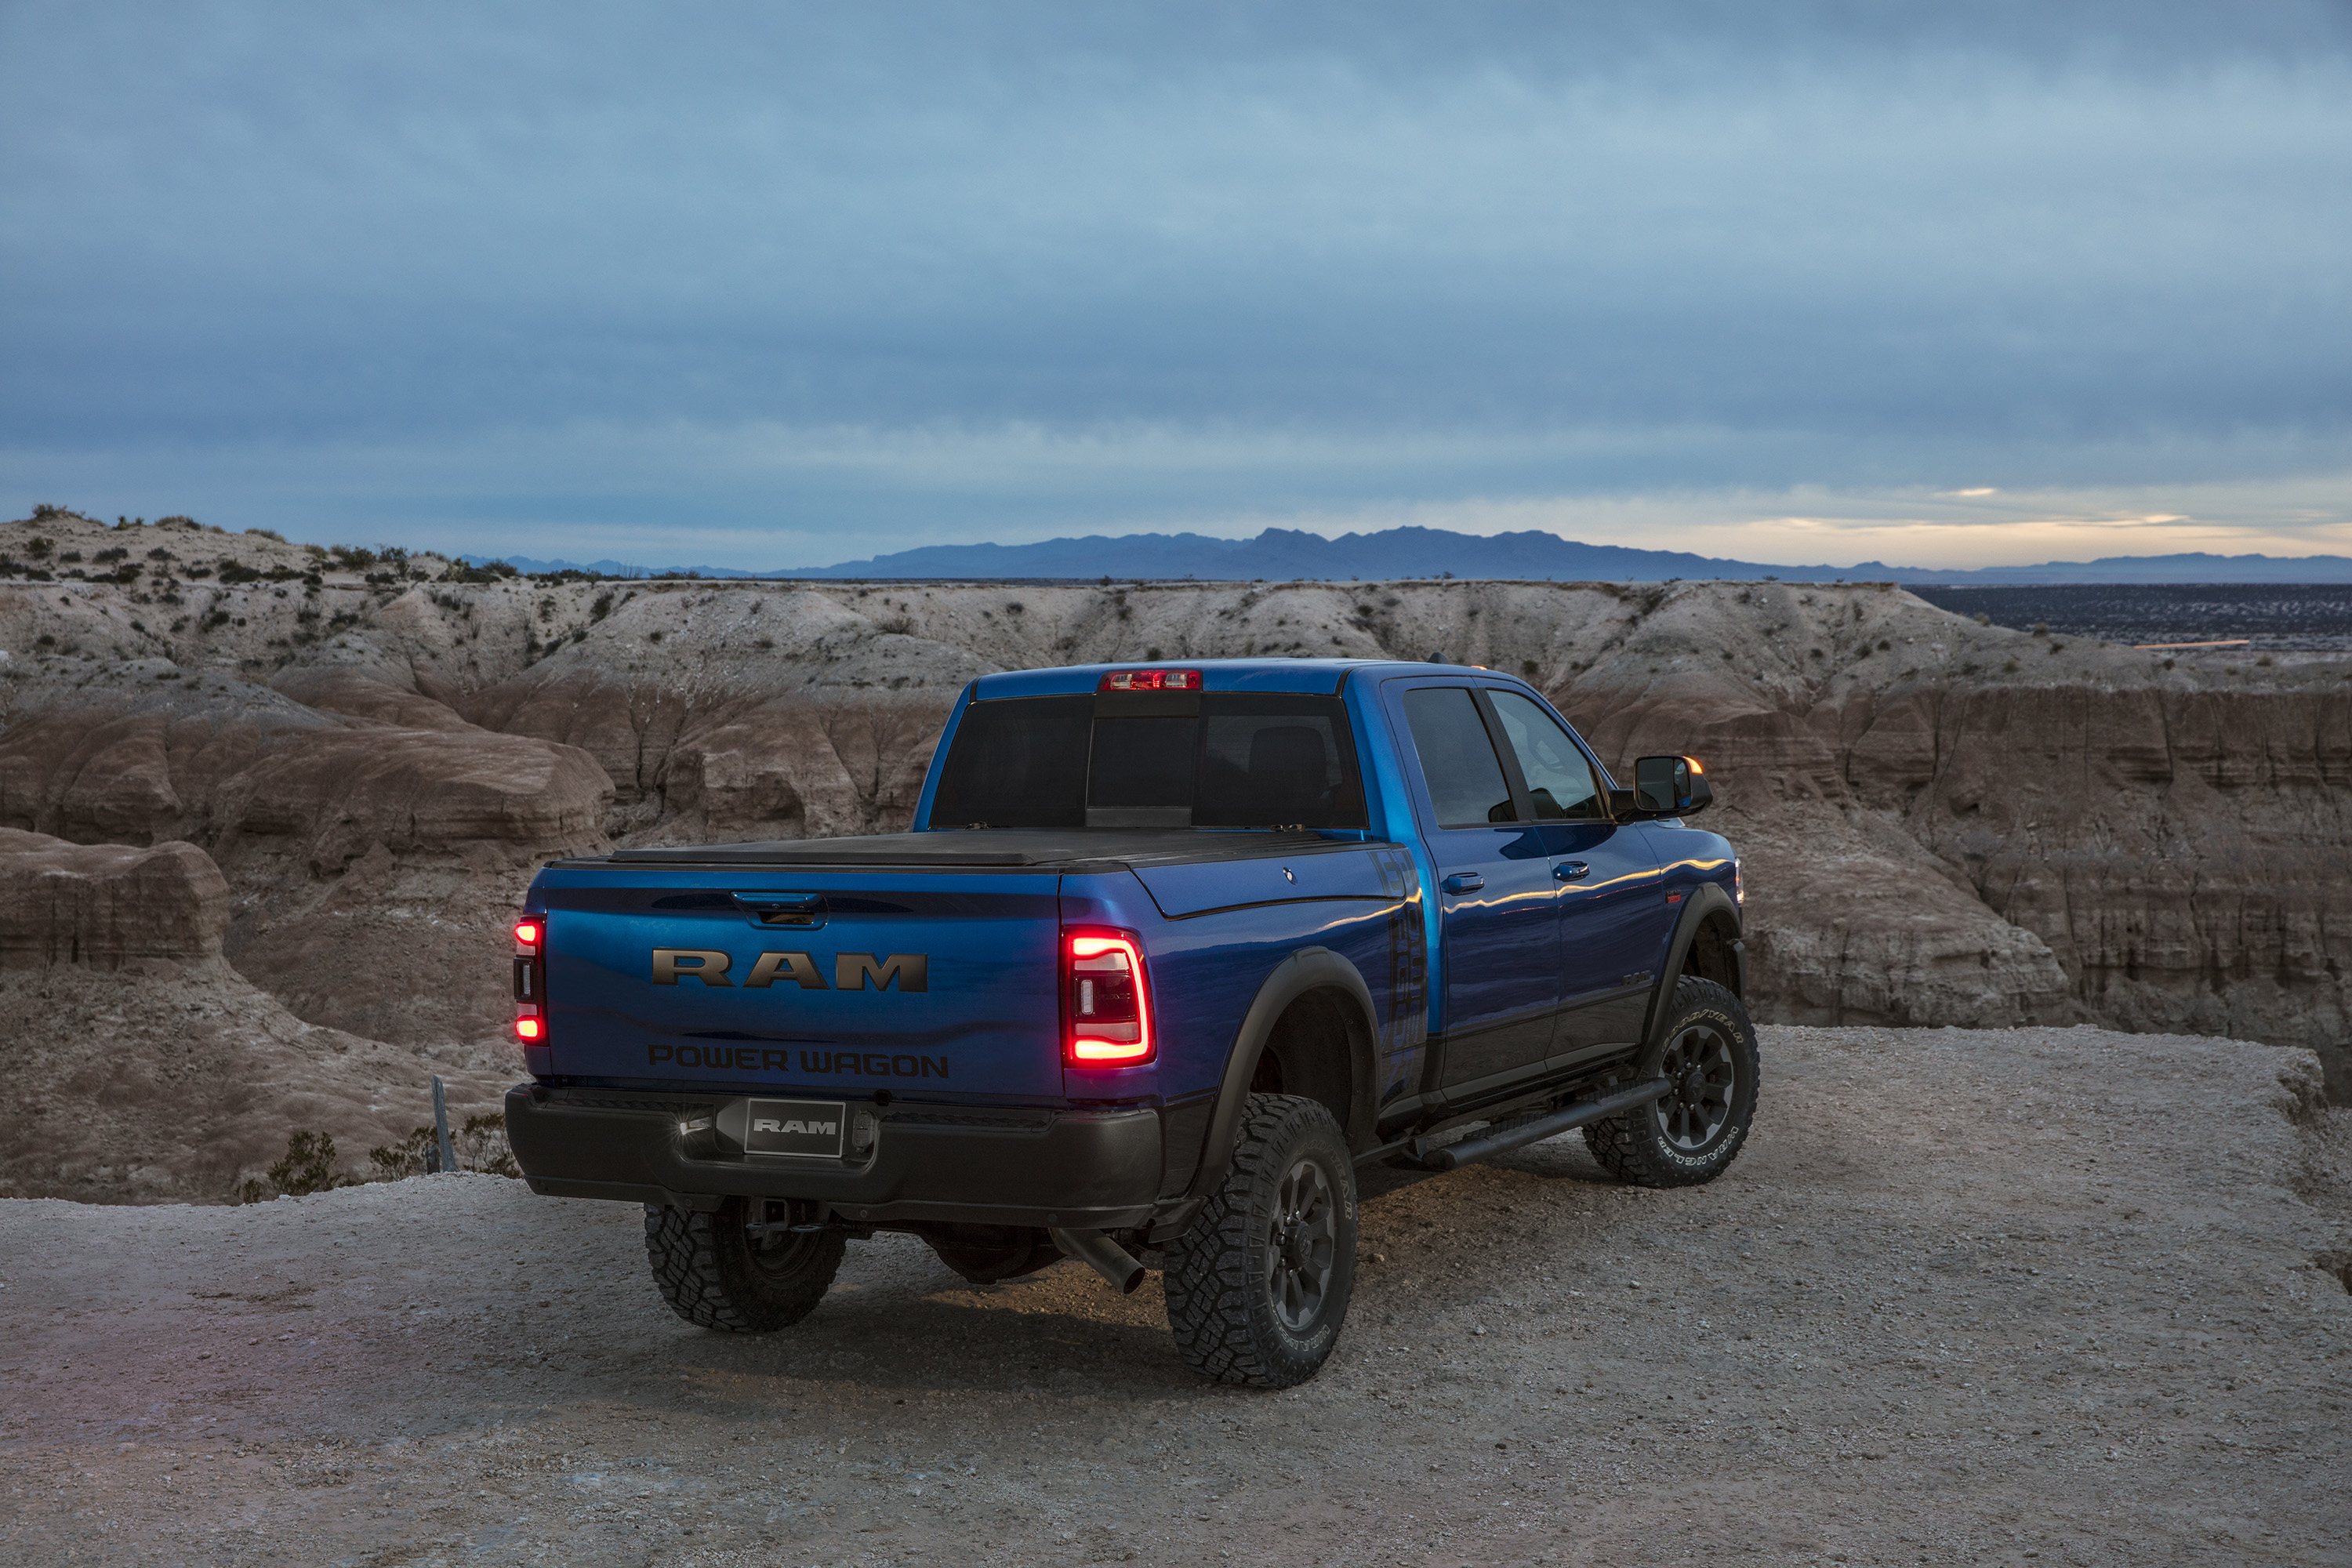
(1319, 675)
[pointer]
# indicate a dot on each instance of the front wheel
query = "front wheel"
(735, 1269)
(1693, 1133)
(1258, 1287)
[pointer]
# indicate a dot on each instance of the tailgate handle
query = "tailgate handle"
(785, 909)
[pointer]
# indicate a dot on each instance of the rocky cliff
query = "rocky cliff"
(1940, 821)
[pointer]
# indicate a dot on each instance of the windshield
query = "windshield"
(1223, 760)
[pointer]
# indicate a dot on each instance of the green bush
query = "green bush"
(307, 1167)
(480, 1143)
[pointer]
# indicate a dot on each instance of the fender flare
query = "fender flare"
(1309, 969)
(1708, 899)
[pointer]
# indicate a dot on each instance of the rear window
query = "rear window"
(1242, 760)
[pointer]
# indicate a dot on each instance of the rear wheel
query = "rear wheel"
(1694, 1130)
(738, 1268)
(1258, 1288)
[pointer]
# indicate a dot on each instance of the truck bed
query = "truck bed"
(1059, 848)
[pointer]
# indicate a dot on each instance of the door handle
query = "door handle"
(783, 908)
(1572, 870)
(1464, 882)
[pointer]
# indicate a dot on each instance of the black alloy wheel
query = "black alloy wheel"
(1692, 1132)
(1302, 1245)
(1258, 1286)
(1698, 1063)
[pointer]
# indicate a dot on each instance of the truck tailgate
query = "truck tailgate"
(929, 984)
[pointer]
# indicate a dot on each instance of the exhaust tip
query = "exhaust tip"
(1105, 1257)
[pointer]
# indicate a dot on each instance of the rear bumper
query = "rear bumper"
(1075, 1169)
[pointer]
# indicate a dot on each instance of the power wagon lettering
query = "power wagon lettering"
(851, 971)
(759, 1058)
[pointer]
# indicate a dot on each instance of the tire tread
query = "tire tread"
(1627, 1146)
(705, 1285)
(1208, 1279)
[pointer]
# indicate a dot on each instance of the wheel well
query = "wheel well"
(1312, 1052)
(1709, 957)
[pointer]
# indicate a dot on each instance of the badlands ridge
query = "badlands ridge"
(268, 809)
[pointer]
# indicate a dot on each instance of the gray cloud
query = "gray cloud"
(1338, 257)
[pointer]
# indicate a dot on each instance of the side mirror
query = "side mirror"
(1671, 786)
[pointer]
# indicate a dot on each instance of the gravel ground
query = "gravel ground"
(2062, 1296)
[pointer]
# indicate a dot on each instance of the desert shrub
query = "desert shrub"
(411, 1156)
(307, 1166)
(238, 571)
(38, 547)
(266, 534)
(480, 1143)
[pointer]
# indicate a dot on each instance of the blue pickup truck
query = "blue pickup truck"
(1170, 953)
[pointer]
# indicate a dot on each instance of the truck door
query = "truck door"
(1499, 937)
(1613, 917)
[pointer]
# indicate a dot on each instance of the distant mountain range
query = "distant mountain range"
(1280, 555)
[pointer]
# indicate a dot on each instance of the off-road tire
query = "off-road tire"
(1228, 1282)
(717, 1275)
(1653, 1145)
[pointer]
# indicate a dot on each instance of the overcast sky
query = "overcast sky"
(764, 284)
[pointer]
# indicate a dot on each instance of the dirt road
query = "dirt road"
(2058, 1296)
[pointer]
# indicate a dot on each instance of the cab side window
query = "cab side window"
(1465, 779)
(1560, 785)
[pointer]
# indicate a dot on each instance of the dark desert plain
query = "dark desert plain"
(2041, 1250)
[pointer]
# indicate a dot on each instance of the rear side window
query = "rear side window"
(1242, 760)
(1268, 759)
(1466, 780)
(1019, 763)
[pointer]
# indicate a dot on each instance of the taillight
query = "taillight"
(1152, 681)
(529, 981)
(1106, 1003)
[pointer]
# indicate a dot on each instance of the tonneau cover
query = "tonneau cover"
(1054, 847)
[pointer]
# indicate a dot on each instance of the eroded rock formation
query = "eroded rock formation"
(1940, 821)
(107, 905)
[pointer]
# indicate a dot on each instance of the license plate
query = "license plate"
(813, 1129)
